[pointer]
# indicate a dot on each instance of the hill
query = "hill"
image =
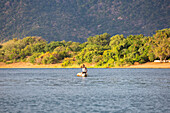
(76, 20)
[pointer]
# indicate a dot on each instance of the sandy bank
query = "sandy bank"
(30, 65)
(151, 65)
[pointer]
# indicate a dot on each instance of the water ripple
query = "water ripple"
(105, 90)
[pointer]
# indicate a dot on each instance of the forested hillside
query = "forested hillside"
(102, 50)
(76, 20)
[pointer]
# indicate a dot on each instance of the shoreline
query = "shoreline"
(58, 65)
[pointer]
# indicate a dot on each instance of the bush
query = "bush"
(52, 60)
(111, 63)
(32, 58)
(1, 60)
(9, 62)
(44, 60)
(142, 61)
(96, 59)
(88, 56)
(100, 63)
(67, 61)
(151, 57)
(119, 64)
(79, 62)
(47, 58)
(23, 60)
(63, 54)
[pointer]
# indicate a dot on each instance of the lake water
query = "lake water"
(104, 90)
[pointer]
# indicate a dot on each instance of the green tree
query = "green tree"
(52, 45)
(117, 44)
(75, 46)
(38, 47)
(32, 58)
(101, 40)
(107, 55)
(161, 43)
(96, 58)
(117, 40)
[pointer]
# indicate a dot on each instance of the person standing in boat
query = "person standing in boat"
(84, 69)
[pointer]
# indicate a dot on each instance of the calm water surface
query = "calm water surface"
(104, 90)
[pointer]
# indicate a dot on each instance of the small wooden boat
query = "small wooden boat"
(82, 74)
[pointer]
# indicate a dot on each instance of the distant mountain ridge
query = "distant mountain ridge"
(76, 20)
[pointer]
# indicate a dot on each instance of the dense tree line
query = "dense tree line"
(103, 50)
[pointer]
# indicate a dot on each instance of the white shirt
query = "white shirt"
(83, 69)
